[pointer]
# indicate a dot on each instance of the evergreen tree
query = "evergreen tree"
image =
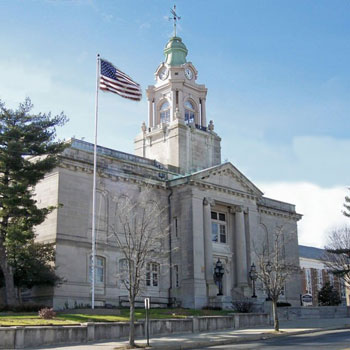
(28, 151)
(328, 296)
(346, 212)
(32, 265)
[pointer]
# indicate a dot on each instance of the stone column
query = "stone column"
(208, 248)
(203, 113)
(150, 113)
(181, 105)
(241, 249)
(172, 105)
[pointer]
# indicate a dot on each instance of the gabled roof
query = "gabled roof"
(230, 171)
(310, 252)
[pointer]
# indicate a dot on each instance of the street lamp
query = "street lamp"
(219, 272)
(253, 276)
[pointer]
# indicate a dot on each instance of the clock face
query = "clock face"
(163, 74)
(188, 73)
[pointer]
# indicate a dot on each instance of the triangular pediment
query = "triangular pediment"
(228, 176)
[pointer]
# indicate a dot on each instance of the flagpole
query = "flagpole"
(93, 239)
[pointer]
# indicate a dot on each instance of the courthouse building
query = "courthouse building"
(215, 212)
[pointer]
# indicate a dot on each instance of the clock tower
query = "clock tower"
(178, 133)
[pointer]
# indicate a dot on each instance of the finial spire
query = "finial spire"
(174, 18)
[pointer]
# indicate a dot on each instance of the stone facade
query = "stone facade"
(215, 212)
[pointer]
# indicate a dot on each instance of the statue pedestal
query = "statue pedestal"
(221, 301)
(212, 290)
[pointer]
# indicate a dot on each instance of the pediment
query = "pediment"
(228, 176)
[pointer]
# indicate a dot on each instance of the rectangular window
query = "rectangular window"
(152, 274)
(99, 269)
(319, 279)
(331, 278)
(342, 289)
(223, 233)
(214, 232)
(218, 227)
(308, 281)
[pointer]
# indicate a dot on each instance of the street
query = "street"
(330, 340)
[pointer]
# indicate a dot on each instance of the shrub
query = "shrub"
(47, 313)
(244, 306)
(283, 304)
(328, 296)
(211, 307)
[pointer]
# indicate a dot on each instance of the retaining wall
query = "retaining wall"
(25, 337)
(293, 313)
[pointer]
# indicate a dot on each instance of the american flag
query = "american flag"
(114, 80)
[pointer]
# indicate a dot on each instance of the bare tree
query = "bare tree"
(274, 268)
(140, 232)
(337, 253)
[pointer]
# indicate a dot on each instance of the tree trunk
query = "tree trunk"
(7, 271)
(132, 323)
(276, 322)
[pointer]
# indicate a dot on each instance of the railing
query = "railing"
(89, 147)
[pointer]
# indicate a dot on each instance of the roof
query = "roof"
(310, 252)
(175, 52)
(234, 170)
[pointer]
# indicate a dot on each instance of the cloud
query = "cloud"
(321, 208)
(119, 119)
(315, 159)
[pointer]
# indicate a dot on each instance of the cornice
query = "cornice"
(114, 175)
(218, 188)
(278, 213)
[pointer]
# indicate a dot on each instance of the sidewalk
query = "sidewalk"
(199, 340)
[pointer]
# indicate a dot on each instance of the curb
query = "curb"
(243, 339)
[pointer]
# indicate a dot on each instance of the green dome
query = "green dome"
(175, 52)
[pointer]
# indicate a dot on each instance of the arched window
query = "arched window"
(189, 112)
(99, 269)
(101, 210)
(165, 112)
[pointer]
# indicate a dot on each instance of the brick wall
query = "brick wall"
(315, 284)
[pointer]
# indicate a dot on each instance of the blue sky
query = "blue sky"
(277, 73)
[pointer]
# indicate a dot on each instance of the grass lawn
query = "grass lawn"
(64, 318)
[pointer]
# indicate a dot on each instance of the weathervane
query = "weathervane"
(174, 18)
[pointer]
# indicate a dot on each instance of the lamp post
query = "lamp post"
(219, 272)
(253, 276)
(268, 268)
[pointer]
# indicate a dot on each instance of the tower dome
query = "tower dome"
(175, 52)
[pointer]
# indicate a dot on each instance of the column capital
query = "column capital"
(209, 201)
(236, 209)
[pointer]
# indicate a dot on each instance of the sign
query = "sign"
(306, 299)
(147, 307)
